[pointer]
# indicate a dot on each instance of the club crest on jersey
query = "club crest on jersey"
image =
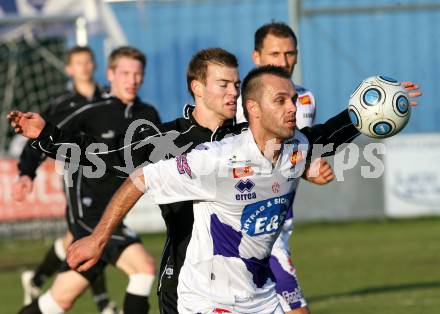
(182, 165)
(276, 187)
(240, 172)
(245, 189)
(305, 100)
(296, 157)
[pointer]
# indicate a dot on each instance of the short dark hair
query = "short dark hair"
(251, 87)
(128, 52)
(198, 65)
(278, 29)
(79, 49)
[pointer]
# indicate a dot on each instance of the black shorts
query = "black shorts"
(119, 241)
(167, 302)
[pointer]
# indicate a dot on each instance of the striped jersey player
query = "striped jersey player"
(287, 284)
(242, 200)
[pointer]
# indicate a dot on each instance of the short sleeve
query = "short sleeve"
(186, 177)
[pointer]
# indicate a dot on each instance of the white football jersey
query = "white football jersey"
(305, 117)
(241, 200)
(305, 108)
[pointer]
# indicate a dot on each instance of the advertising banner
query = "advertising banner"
(412, 175)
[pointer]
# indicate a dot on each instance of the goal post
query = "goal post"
(32, 52)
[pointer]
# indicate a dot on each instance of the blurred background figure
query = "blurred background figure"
(82, 90)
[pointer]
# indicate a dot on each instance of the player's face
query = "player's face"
(277, 107)
(277, 51)
(125, 79)
(80, 67)
(221, 91)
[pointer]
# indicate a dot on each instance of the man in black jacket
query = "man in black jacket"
(89, 191)
(82, 90)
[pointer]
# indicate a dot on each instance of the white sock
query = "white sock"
(59, 249)
(48, 305)
(140, 284)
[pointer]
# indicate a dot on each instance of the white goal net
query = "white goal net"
(31, 66)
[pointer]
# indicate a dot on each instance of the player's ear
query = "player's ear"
(68, 70)
(110, 74)
(253, 108)
(256, 57)
(196, 87)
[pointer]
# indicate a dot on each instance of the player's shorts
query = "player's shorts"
(191, 302)
(167, 302)
(223, 310)
(287, 285)
(119, 241)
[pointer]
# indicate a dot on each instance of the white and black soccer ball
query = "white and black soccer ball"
(379, 107)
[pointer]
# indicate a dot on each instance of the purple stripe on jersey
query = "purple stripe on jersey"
(286, 284)
(289, 212)
(226, 241)
(259, 268)
(224, 238)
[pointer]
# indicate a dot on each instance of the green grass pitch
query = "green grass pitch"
(386, 267)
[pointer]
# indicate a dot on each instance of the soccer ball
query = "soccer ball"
(379, 107)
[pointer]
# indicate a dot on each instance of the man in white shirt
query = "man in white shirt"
(242, 187)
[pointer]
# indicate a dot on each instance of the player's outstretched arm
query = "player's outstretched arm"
(119, 157)
(48, 137)
(85, 253)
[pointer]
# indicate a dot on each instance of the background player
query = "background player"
(105, 119)
(80, 66)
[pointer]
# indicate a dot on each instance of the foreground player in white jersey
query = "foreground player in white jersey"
(243, 188)
(276, 43)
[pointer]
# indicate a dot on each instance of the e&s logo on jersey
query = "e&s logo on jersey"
(265, 217)
(276, 187)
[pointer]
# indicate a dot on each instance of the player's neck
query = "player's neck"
(85, 88)
(207, 118)
(268, 145)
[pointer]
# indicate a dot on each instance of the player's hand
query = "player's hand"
(84, 253)
(413, 91)
(21, 188)
(28, 124)
(319, 172)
